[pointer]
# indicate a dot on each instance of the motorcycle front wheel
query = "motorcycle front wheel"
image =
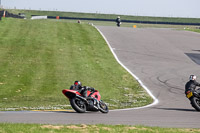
(195, 102)
(78, 105)
(103, 107)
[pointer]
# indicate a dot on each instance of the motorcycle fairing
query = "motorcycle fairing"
(70, 93)
(94, 94)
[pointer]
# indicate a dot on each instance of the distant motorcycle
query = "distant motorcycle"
(194, 97)
(80, 104)
(118, 21)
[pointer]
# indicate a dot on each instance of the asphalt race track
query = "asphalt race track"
(163, 59)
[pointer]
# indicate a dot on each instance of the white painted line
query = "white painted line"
(140, 82)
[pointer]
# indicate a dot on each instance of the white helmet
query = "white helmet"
(193, 77)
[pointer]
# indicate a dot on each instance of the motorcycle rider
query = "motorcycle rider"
(118, 21)
(191, 85)
(82, 90)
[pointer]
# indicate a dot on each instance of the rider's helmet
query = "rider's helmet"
(118, 17)
(193, 77)
(78, 83)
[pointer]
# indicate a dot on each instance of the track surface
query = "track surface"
(159, 58)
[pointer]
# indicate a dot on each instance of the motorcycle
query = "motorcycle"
(118, 24)
(194, 97)
(80, 104)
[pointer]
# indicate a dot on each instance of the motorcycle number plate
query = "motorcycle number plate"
(189, 95)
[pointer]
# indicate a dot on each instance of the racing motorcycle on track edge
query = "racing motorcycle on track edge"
(80, 104)
(194, 97)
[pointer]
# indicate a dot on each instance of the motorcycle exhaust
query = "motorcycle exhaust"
(84, 99)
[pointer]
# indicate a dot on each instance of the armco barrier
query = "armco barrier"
(127, 21)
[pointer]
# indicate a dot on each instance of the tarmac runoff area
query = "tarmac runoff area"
(162, 59)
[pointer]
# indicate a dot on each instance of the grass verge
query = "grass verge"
(38, 128)
(194, 30)
(39, 58)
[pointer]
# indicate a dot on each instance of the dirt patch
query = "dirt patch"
(52, 127)
(82, 126)
(106, 128)
(132, 128)
(189, 130)
(140, 129)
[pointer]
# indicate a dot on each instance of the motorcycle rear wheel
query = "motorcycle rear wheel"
(78, 105)
(195, 102)
(103, 107)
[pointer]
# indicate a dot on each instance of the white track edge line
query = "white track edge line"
(156, 101)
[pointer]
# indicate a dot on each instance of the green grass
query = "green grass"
(39, 58)
(194, 30)
(39, 128)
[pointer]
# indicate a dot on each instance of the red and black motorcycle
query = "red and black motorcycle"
(80, 104)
